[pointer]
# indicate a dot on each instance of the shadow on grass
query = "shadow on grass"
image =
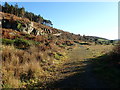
(83, 77)
(98, 72)
(107, 68)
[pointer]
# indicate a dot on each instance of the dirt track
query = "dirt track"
(77, 72)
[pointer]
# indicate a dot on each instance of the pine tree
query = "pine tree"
(6, 7)
(0, 7)
(16, 9)
(12, 9)
(22, 12)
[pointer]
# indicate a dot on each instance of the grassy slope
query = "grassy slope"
(40, 63)
(106, 67)
(34, 68)
(77, 71)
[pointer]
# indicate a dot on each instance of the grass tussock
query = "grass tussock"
(26, 68)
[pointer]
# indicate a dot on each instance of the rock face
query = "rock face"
(13, 22)
(28, 28)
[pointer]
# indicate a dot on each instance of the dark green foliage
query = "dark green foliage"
(68, 43)
(7, 41)
(84, 43)
(76, 42)
(22, 43)
(97, 40)
(22, 13)
(103, 42)
(19, 43)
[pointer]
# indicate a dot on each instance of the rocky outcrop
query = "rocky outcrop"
(22, 27)
(47, 30)
(57, 34)
(10, 21)
(27, 28)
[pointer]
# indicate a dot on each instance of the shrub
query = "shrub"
(68, 43)
(19, 43)
(7, 41)
(84, 44)
(76, 42)
(22, 43)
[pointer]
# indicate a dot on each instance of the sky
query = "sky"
(84, 18)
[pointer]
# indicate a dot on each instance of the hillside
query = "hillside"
(17, 18)
(36, 55)
(24, 25)
(34, 51)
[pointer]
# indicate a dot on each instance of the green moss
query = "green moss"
(19, 26)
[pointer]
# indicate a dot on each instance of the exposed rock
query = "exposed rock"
(20, 26)
(30, 27)
(10, 21)
(57, 34)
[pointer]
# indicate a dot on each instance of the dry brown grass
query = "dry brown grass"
(22, 68)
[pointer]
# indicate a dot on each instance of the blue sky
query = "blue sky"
(89, 18)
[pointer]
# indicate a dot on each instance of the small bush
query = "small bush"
(68, 43)
(19, 43)
(7, 41)
(22, 43)
(84, 44)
